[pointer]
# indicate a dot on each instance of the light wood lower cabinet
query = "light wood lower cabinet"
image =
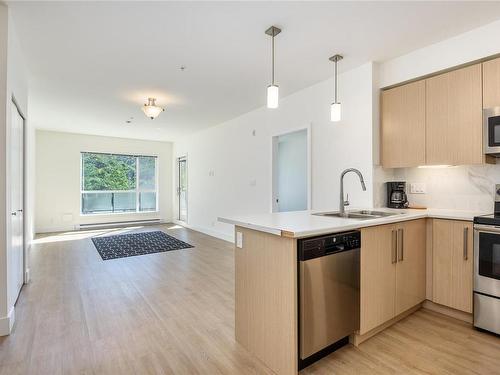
(377, 276)
(410, 270)
(452, 264)
(392, 271)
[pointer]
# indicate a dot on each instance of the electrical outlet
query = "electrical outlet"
(418, 188)
(239, 240)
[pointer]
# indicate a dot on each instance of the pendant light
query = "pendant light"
(272, 89)
(151, 109)
(335, 109)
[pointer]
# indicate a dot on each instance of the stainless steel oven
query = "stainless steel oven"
(487, 277)
(491, 131)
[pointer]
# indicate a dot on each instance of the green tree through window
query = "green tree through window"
(109, 183)
(109, 172)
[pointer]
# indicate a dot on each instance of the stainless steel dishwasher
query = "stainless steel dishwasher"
(328, 293)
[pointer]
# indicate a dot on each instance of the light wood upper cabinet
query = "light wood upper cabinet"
(410, 270)
(454, 117)
(403, 126)
(438, 120)
(491, 83)
(452, 264)
(392, 271)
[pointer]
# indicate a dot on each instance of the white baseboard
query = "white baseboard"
(119, 224)
(7, 322)
(76, 227)
(208, 231)
(67, 228)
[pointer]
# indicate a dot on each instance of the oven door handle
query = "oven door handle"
(486, 228)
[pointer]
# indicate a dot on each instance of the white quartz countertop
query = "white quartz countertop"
(304, 224)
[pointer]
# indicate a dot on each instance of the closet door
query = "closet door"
(16, 252)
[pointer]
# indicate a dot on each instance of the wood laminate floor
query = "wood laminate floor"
(173, 313)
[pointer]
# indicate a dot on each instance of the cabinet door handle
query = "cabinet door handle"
(400, 244)
(394, 246)
(466, 237)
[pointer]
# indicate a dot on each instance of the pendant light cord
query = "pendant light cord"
(335, 86)
(272, 71)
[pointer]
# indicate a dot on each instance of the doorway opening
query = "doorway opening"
(182, 189)
(291, 190)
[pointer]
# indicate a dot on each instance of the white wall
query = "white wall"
(241, 162)
(470, 46)
(58, 178)
(13, 84)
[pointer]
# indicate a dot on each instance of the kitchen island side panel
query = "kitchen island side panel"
(266, 299)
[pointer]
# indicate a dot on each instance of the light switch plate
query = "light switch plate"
(418, 188)
(239, 240)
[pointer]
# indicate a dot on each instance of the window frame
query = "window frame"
(137, 189)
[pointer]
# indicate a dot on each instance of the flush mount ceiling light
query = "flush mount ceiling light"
(272, 89)
(151, 109)
(335, 109)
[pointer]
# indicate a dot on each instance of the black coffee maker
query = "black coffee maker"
(396, 194)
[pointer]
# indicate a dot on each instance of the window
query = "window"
(114, 183)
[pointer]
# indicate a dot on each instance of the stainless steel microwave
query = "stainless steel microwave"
(491, 131)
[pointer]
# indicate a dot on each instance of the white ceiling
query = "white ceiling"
(92, 65)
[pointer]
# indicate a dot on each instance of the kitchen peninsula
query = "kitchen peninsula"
(395, 266)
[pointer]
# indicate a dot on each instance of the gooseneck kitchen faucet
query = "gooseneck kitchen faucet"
(343, 202)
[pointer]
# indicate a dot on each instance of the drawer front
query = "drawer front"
(487, 313)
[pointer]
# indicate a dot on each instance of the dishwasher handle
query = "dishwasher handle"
(315, 247)
(337, 248)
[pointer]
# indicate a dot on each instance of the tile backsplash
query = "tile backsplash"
(460, 187)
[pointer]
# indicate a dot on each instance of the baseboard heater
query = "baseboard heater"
(115, 224)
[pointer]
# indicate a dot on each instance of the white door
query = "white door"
(16, 256)
(182, 188)
(290, 172)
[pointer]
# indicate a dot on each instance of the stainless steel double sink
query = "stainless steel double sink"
(359, 214)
